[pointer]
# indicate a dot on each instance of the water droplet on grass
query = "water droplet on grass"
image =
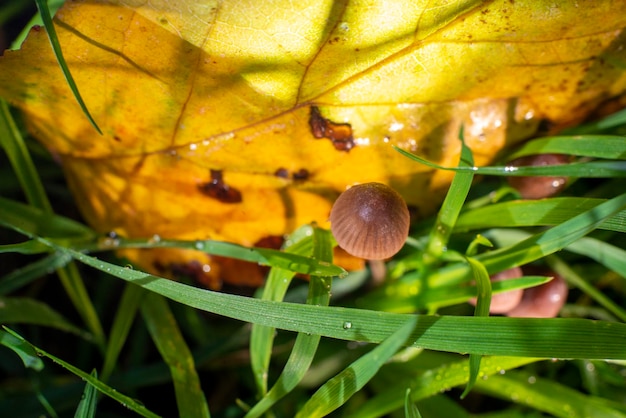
(347, 325)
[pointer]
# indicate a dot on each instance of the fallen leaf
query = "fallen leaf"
(240, 121)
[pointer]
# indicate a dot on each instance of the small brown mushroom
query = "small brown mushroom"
(544, 301)
(505, 301)
(370, 221)
(541, 186)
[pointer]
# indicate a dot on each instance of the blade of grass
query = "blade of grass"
(595, 146)
(306, 345)
(340, 388)
(451, 207)
(519, 213)
(20, 310)
(612, 257)
(128, 402)
(547, 396)
(174, 351)
(87, 405)
(261, 337)
(561, 338)
(13, 144)
(483, 284)
(591, 169)
(20, 347)
(433, 381)
(33, 271)
(124, 317)
(46, 18)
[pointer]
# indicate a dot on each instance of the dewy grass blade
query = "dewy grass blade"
(128, 402)
(544, 212)
(22, 310)
(483, 303)
(547, 395)
(22, 349)
(306, 345)
(169, 340)
(15, 148)
(87, 405)
(42, 5)
(561, 338)
(340, 388)
(452, 204)
(596, 146)
(124, 317)
(432, 382)
(19, 278)
(554, 239)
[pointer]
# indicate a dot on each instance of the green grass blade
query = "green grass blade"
(554, 239)
(451, 207)
(594, 146)
(433, 381)
(87, 405)
(33, 271)
(561, 338)
(612, 121)
(483, 284)
(544, 212)
(306, 345)
(340, 388)
(261, 337)
(15, 148)
(77, 292)
(19, 310)
(170, 343)
(124, 317)
(31, 220)
(547, 396)
(410, 410)
(20, 347)
(46, 18)
(128, 402)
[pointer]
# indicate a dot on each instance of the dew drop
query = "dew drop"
(199, 245)
(347, 325)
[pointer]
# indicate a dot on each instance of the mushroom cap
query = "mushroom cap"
(370, 220)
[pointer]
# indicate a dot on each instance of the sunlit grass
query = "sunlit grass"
(407, 341)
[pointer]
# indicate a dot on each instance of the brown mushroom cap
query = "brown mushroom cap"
(539, 187)
(370, 221)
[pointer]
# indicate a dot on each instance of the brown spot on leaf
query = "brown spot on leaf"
(219, 190)
(282, 173)
(340, 134)
(301, 174)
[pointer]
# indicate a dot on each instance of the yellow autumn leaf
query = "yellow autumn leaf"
(240, 121)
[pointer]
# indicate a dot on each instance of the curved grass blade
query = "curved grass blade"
(32, 220)
(16, 310)
(46, 18)
(33, 271)
(175, 352)
(451, 207)
(128, 402)
(410, 409)
(22, 349)
(433, 381)
(306, 345)
(87, 405)
(15, 148)
(483, 284)
(340, 388)
(276, 284)
(547, 396)
(561, 338)
(610, 147)
(591, 169)
(544, 212)
(124, 317)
